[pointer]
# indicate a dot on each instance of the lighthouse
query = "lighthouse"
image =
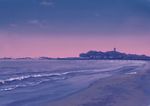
(115, 50)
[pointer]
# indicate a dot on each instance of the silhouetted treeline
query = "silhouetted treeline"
(112, 55)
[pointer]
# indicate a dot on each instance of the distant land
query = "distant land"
(92, 55)
(112, 55)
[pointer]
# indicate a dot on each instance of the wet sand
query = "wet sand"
(119, 90)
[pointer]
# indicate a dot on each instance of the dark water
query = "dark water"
(37, 82)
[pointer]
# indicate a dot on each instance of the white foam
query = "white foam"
(131, 73)
(19, 78)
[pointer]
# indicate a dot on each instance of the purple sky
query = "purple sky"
(64, 28)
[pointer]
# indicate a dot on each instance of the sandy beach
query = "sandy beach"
(130, 89)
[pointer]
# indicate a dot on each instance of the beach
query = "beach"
(74, 83)
(130, 89)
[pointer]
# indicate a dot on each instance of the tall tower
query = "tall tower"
(115, 49)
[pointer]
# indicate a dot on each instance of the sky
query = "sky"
(65, 28)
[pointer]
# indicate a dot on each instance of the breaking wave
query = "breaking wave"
(25, 80)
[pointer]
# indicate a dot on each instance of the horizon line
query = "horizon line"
(114, 49)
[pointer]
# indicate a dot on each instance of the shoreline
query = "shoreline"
(118, 90)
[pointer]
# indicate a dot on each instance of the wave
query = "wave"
(9, 86)
(42, 75)
(26, 80)
(23, 77)
(38, 78)
(54, 75)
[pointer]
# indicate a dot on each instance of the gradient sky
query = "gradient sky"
(63, 28)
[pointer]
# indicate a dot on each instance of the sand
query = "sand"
(131, 89)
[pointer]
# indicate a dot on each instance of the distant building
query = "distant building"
(115, 49)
